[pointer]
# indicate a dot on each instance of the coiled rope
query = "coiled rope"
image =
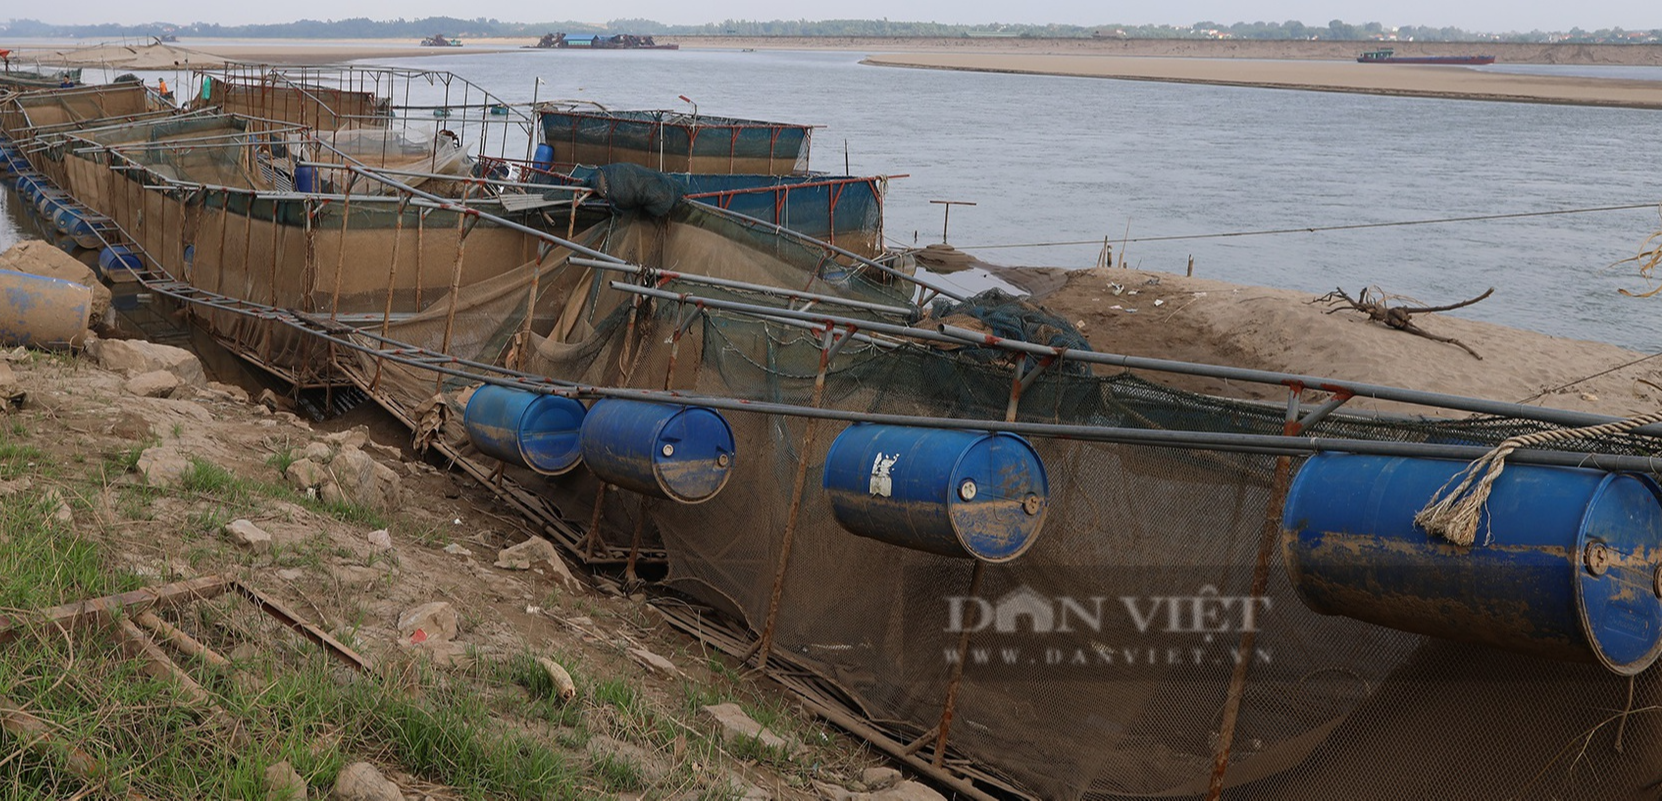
(1454, 516)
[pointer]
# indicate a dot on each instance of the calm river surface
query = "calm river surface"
(1055, 160)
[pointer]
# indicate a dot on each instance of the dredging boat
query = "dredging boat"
(1386, 55)
(946, 523)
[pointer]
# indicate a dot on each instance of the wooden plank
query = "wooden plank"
(81, 613)
(186, 644)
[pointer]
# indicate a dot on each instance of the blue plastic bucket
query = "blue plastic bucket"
(1565, 565)
(683, 453)
(305, 179)
(529, 429)
(955, 493)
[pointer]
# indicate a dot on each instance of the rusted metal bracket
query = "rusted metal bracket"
(288, 618)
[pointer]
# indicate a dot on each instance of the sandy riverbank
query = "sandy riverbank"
(1167, 316)
(1329, 76)
(1505, 52)
(1320, 66)
(293, 50)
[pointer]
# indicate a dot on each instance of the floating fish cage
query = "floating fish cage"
(671, 141)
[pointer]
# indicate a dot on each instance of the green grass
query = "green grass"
(17, 459)
(282, 459)
(242, 497)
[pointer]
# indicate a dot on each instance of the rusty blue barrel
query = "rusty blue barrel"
(42, 312)
(1565, 566)
(955, 493)
(665, 450)
(529, 429)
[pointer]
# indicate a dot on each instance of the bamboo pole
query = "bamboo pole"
(392, 280)
(462, 230)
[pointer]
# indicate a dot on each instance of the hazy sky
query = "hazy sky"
(1486, 15)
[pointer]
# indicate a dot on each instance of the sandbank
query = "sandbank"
(1462, 83)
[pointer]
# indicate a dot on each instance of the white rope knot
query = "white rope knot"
(1454, 514)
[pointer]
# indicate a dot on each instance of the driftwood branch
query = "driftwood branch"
(1398, 317)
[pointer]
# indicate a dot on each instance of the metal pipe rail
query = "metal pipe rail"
(1264, 444)
(573, 188)
(780, 230)
(948, 334)
(403, 353)
(447, 205)
(752, 309)
(1335, 385)
(775, 291)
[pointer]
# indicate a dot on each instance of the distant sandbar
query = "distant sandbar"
(1328, 76)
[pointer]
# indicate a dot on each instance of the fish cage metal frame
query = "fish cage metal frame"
(392, 89)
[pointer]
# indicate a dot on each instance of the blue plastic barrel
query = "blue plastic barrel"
(955, 493)
(529, 429)
(305, 179)
(1565, 565)
(71, 220)
(544, 157)
(118, 257)
(683, 453)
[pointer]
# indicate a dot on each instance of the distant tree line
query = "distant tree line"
(365, 28)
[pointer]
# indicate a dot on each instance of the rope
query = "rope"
(1454, 516)
(1318, 229)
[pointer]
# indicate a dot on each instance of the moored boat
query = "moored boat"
(1386, 55)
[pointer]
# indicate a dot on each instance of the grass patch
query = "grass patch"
(43, 562)
(242, 497)
(145, 737)
(282, 459)
(340, 510)
(17, 459)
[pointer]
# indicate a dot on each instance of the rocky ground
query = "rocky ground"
(126, 466)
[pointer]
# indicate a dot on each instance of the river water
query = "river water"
(1073, 160)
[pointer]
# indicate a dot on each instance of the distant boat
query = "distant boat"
(621, 41)
(438, 40)
(1386, 55)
